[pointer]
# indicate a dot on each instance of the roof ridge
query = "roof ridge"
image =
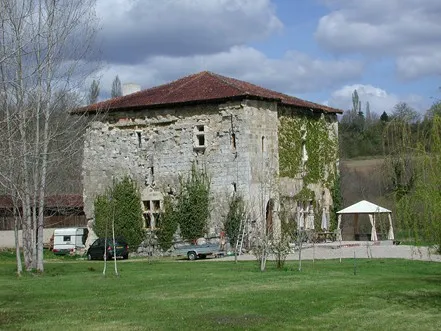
(224, 79)
(197, 75)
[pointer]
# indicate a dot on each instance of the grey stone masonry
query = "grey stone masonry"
(236, 142)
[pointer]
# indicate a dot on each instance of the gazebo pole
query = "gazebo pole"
(355, 225)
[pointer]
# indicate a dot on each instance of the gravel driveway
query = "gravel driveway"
(361, 249)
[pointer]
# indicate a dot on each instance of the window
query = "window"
(263, 144)
(156, 205)
(152, 213)
(199, 137)
(66, 238)
(138, 133)
(201, 140)
(147, 220)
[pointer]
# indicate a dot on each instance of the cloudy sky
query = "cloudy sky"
(319, 50)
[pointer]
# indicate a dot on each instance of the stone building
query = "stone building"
(278, 151)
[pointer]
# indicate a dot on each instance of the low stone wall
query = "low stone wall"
(7, 237)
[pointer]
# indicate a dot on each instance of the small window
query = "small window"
(66, 238)
(199, 137)
(263, 144)
(201, 140)
(138, 133)
(234, 187)
(146, 205)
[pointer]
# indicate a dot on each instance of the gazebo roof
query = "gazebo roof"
(363, 207)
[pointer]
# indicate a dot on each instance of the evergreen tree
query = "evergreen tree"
(169, 224)
(384, 117)
(193, 204)
(120, 204)
(235, 215)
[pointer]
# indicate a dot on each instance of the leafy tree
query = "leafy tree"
(169, 224)
(94, 92)
(435, 109)
(116, 88)
(121, 205)
(414, 168)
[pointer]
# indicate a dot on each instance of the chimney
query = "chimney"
(130, 88)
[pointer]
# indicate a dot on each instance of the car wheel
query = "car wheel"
(126, 256)
(192, 256)
(89, 257)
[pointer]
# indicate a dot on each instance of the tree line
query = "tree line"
(361, 129)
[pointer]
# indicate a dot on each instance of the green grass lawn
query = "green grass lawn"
(206, 295)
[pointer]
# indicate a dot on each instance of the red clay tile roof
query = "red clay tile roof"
(198, 88)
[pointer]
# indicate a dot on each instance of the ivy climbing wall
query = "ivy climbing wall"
(308, 157)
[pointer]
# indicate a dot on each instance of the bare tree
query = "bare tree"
(43, 44)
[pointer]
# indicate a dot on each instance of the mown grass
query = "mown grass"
(208, 295)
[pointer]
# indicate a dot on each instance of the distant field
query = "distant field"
(365, 166)
(203, 295)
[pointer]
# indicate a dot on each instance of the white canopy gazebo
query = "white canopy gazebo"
(372, 210)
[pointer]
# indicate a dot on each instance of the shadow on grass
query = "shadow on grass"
(234, 320)
(416, 299)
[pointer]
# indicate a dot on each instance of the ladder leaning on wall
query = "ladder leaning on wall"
(241, 236)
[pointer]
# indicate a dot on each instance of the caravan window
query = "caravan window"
(66, 238)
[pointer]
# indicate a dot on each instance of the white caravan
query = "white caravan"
(69, 240)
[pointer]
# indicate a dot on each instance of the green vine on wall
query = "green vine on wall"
(321, 146)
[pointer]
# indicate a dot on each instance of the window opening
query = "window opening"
(148, 220)
(138, 133)
(233, 140)
(263, 144)
(200, 128)
(201, 140)
(66, 238)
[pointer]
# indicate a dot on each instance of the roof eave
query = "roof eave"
(86, 111)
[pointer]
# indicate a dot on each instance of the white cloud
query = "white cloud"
(133, 30)
(407, 29)
(379, 99)
(294, 73)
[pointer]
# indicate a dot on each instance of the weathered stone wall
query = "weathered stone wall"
(156, 146)
(239, 150)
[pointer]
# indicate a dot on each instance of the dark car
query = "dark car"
(99, 246)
